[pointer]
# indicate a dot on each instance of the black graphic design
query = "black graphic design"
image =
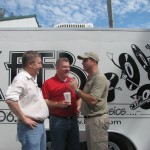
(130, 73)
(147, 46)
(142, 98)
(1, 95)
(113, 79)
(15, 65)
(142, 59)
(129, 70)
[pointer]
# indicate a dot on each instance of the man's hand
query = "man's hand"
(30, 122)
(63, 104)
(74, 84)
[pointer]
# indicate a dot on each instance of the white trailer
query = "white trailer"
(124, 58)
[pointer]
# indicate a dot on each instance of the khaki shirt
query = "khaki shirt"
(97, 86)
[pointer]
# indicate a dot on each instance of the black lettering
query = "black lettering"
(117, 111)
(2, 115)
(10, 117)
(45, 55)
(15, 63)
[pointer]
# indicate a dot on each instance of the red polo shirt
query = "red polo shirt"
(53, 90)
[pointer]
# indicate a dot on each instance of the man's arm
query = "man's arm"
(79, 104)
(52, 104)
(91, 100)
(14, 107)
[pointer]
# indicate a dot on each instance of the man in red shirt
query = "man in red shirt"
(63, 115)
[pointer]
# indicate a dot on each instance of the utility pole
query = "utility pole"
(110, 15)
(1, 12)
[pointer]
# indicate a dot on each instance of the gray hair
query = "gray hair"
(29, 57)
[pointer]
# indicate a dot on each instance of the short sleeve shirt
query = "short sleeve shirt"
(53, 90)
(96, 86)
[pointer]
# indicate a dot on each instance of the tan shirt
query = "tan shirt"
(97, 86)
(25, 90)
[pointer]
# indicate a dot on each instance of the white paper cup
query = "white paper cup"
(67, 96)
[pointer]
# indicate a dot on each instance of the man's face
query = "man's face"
(63, 69)
(36, 66)
(87, 64)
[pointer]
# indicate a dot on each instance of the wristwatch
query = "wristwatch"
(76, 90)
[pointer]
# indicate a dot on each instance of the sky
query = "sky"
(126, 13)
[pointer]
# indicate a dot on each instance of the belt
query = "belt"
(38, 121)
(65, 117)
(86, 117)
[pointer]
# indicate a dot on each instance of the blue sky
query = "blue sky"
(126, 13)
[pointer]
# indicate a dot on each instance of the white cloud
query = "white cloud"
(122, 7)
(51, 12)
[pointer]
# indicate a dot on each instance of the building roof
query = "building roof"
(3, 19)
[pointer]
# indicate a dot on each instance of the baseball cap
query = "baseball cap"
(89, 55)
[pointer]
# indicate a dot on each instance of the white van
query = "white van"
(124, 58)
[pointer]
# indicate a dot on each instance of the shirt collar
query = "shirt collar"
(88, 78)
(66, 80)
(29, 76)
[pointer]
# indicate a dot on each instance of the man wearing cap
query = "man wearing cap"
(94, 102)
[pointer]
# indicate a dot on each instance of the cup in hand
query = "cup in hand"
(67, 96)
